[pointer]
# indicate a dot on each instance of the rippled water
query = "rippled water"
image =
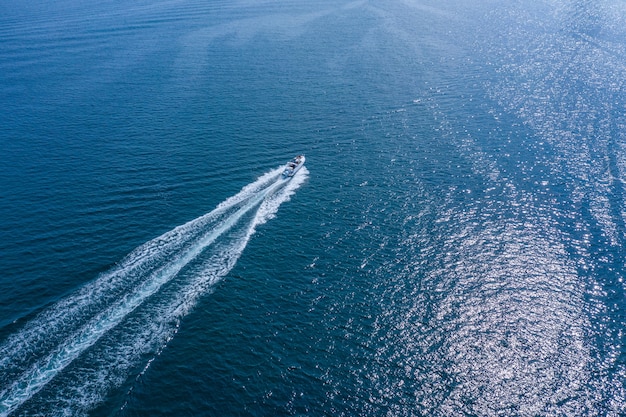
(454, 247)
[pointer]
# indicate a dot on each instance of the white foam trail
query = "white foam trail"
(150, 330)
(208, 272)
(40, 334)
(189, 242)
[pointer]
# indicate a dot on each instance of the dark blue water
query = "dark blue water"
(455, 245)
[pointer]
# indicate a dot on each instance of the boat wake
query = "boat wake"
(66, 359)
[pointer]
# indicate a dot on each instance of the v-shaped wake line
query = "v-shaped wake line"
(65, 315)
(76, 323)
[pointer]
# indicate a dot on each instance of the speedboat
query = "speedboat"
(293, 166)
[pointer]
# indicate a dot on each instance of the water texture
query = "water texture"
(455, 244)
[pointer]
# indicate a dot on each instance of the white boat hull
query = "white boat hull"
(293, 166)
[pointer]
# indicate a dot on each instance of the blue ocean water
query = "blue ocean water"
(455, 244)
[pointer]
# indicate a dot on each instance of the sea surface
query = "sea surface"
(454, 246)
